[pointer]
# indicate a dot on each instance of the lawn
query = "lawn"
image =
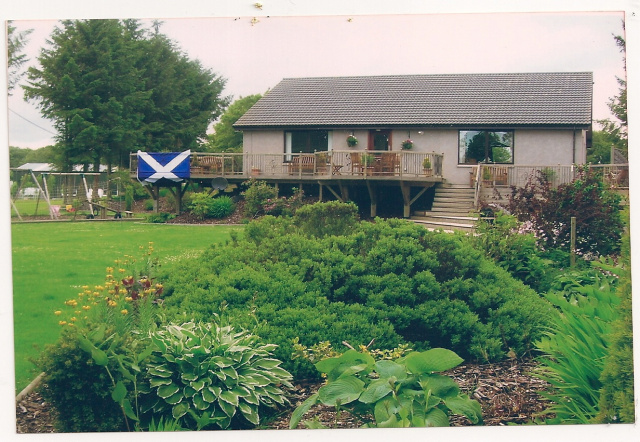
(52, 260)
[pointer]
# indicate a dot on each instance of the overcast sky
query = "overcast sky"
(254, 57)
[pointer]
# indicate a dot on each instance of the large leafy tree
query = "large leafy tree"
(225, 137)
(613, 133)
(112, 87)
(15, 57)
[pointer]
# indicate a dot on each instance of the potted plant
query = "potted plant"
(352, 141)
(426, 165)
(255, 171)
(407, 144)
(368, 160)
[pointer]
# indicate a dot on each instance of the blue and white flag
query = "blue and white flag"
(155, 166)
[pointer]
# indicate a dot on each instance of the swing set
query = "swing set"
(54, 209)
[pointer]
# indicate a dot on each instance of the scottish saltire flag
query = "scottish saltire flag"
(155, 166)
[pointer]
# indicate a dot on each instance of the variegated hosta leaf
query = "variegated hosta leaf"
(200, 403)
(250, 412)
(175, 398)
(208, 395)
(165, 391)
(189, 391)
(229, 397)
(179, 410)
(229, 409)
(156, 382)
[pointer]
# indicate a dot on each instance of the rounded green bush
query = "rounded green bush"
(221, 207)
(389, 281)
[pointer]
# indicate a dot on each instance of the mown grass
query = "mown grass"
(52, 260)
(33, 207)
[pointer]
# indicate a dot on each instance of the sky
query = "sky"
(254, 56)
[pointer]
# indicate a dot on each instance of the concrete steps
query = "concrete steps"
(452, 210)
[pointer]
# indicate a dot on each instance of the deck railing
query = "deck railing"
(334, 163)
(491, 175)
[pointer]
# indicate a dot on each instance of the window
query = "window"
(306, 141)
(476, 146)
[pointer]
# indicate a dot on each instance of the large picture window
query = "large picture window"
(477, 146)
(307, 141)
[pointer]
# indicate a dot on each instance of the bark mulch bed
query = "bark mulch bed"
(506, 391)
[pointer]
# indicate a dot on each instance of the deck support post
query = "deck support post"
(339, 197)
(344, 191)
(373, 196)
(406, 196)
(154, 193)
(320, 192)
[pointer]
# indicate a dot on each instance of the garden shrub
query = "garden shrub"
(330, 218)
(148, 204)
(78, 389)
(597, 210)
(202, 205)
(512, 247)
(617, 394)
(221, 207)
(390, 280)
(159, 218)
(258, 193)
(209, 376)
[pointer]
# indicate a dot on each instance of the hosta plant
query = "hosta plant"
(406, 392)
(209, 376)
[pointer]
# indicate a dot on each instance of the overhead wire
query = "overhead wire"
(31, 122)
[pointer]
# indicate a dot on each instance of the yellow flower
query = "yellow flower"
(109, 270)
(124, 311)
(85, 287)
(57, 313)
(112, 303)
(121, 270)
(86, 307)
(70, 324)
(128, 299)
(62, 322)
(112, 292)
(73, 319)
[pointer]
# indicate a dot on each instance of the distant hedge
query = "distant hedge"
(387, 280)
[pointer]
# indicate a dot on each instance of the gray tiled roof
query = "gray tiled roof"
(520, 99)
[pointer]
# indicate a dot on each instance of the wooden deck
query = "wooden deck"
(323, 166)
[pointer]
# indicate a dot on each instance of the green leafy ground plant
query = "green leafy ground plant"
(406, 392)
(207, 376)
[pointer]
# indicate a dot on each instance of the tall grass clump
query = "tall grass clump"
(576, 345)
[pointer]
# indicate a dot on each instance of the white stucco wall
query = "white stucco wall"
(263, 141)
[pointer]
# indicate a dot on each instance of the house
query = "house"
(512, 121)
(400, 138)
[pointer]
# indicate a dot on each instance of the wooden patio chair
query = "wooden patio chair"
(389, 163)
(356, 163)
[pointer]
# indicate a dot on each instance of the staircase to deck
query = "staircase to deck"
(452, 209)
